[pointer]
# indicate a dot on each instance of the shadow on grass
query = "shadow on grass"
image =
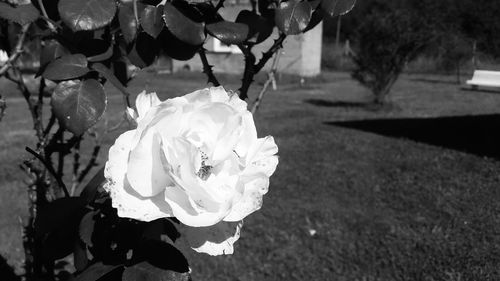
(329, 103)
(478, 134)
(6, 272)
(369, 106)
(435, 81)
(480, 90)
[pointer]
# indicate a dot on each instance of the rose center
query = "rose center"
(204, 171)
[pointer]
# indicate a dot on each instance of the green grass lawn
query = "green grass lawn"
(380, 208)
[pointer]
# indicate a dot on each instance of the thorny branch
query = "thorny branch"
(278, 44)
(50, 169)
(17, 50)
(219, 5)
(251, 67)
(207, 68)
(248, 72)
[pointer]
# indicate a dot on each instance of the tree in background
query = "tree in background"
(480, 21)
(386, 41)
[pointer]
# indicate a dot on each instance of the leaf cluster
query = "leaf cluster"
(104, 246)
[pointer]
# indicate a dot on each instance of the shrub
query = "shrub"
(384, 44)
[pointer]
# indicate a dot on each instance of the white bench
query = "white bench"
(485, 78)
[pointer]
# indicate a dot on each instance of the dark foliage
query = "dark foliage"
(386, 41)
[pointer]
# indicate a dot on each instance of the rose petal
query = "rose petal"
(237, 103)
(214, 240)
(129, 204)
(262, 148)
(254, 189)
(191, 212)
(261, 158)
(144, 102)
(198, 98)
(249, 135)
(145, 170)
(227, 139)
(266, 166)
(218, 94)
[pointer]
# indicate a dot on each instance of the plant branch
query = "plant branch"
(17, 50)
(254, 6)
(278, 44)
(49, 126)
(76, 167)
(251, 67)
(207, 68)
(219, 5)
(3, 106)
(50, 24)
(249, 71)
(37, 122)
(93, 159)
(136, 12)
(50, 169)
(271, 79)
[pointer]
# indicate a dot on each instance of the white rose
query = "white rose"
(196, 158)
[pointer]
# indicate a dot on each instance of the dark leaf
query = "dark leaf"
(152, 20)
(52, 50)
(60, 242)
(195, 12)
(151, 2)
(78, 105)
(161, 255)
(145, 271)
(144, 51)
(127, 22)
(66, 67)
(337, 7)
(259, 28)
(90, 190)
(156, 260)
(314, 3)
(97, 271)
(95, 49)
(292, 17)
(175, 48)
(87, 228)
(21, 14)
(316, 17)
(228, 32)
(198, 12)
(182, 27)
(108, 74)
(56, 214)
(56, 226)
(267, 8)
(155, 230)
(101, 57)
(120, 71)
(80, 258)
(87, 14)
